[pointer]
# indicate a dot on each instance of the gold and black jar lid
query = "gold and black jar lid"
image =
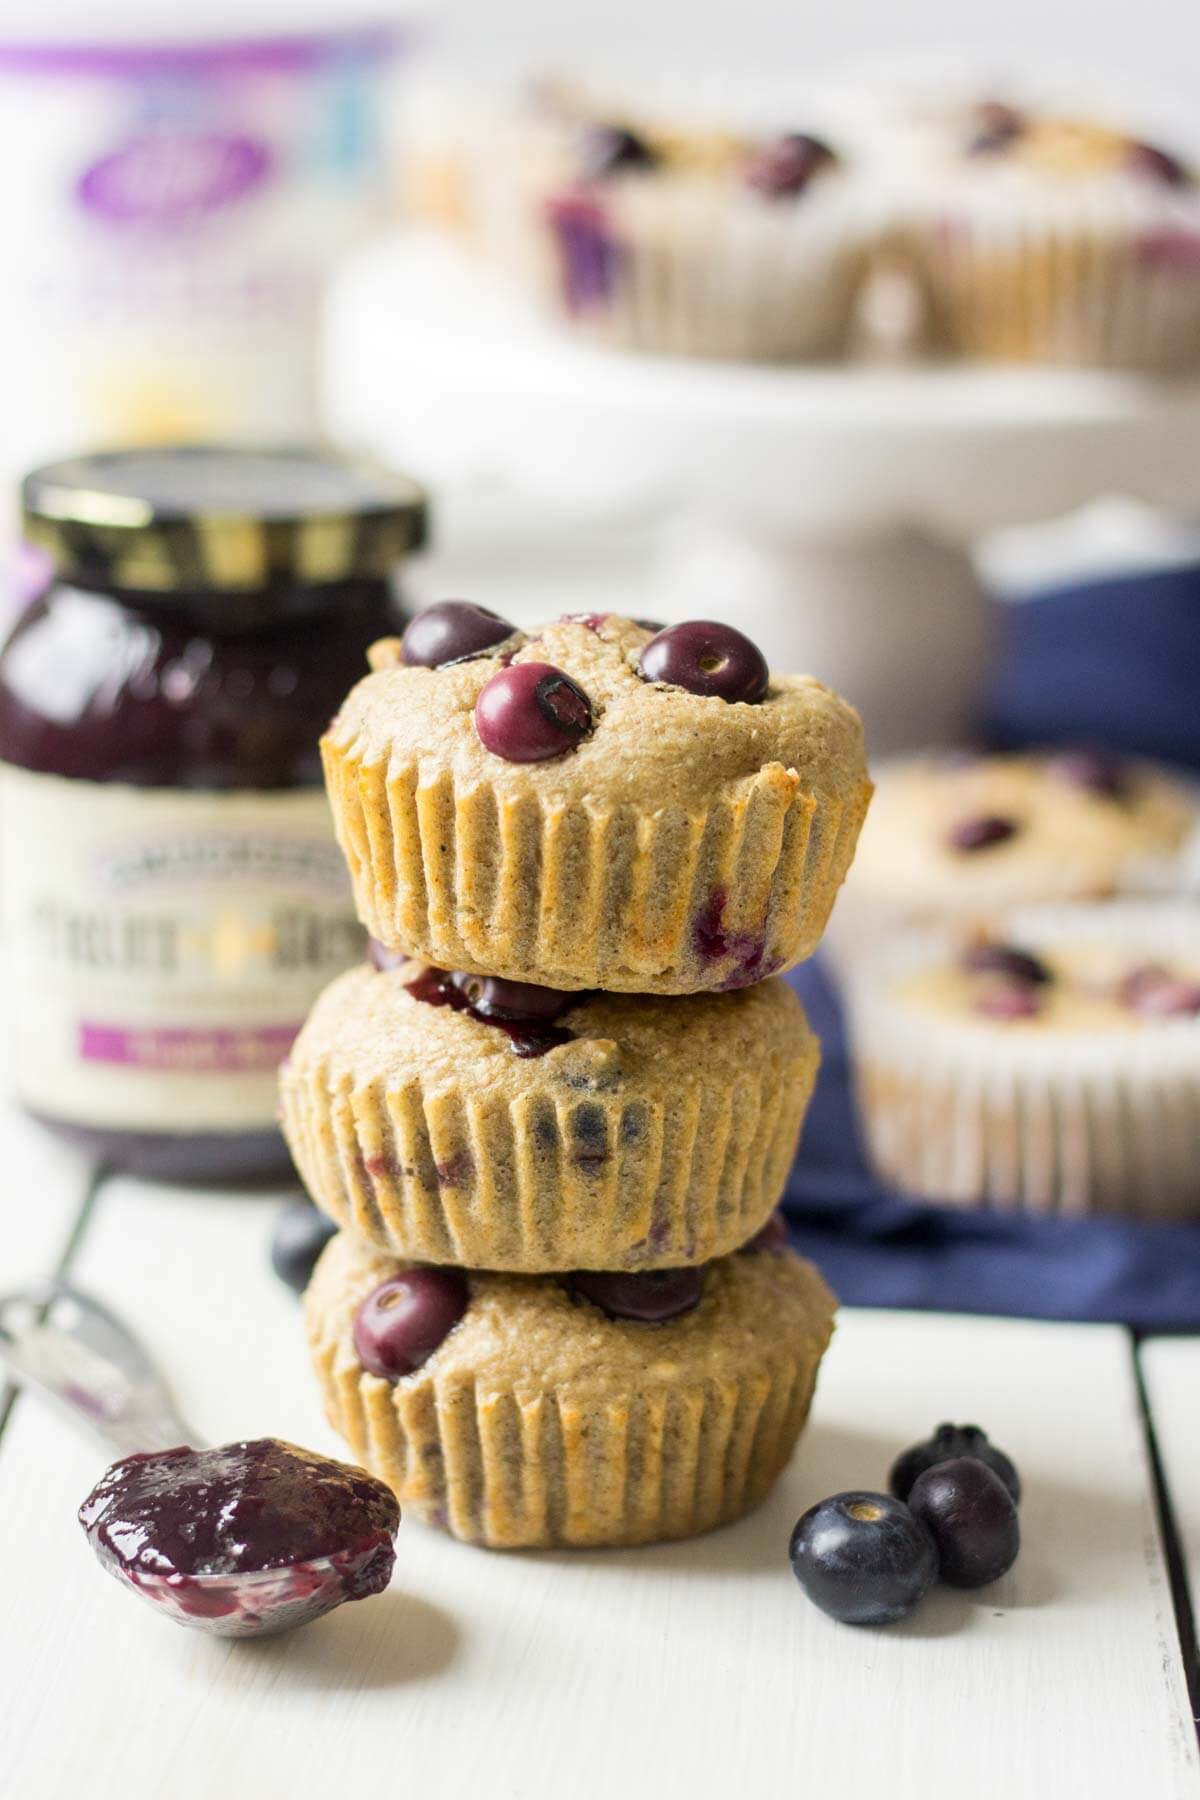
(216, 519)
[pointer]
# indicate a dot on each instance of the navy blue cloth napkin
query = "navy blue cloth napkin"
(1118, 664)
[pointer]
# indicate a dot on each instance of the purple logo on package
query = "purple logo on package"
(173, 178)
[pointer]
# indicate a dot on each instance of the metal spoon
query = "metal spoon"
(76, 1354)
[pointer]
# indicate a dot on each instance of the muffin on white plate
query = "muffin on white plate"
(1047, 227)
(956, 834)
(656, 225)
(1053, 1066)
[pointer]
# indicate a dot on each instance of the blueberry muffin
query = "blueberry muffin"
(601, 804)
(464, 1119)
(1038, 236)
(1053, 1065)
(596, 1409)
(649, 232)
(954, 834)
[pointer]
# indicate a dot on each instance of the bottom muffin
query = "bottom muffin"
(537, 1419)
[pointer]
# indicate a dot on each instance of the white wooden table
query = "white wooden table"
(695, 1670)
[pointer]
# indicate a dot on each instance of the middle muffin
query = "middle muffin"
(432, 1115)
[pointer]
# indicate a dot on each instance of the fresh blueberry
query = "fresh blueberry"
(1008, 1000)
(532, 711)
(400, 1325)
(1154, 993)
(1094, 770)
(996, 125)
(971, 1517)
(784, 169)
(863, 1558)
(490, 997)
(613, 150)
(771, 1236)
(947, 1442)
(451, 631)
(648, 1297)
(980, 832)
(1159, 165)
(707, 658)
(299, 1236)
(1006, 960)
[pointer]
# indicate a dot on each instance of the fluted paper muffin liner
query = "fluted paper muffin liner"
(1102, 272)
(687, 844)
(661, 1134)
(1070, 1119)
(699, 267)
(540, 1422)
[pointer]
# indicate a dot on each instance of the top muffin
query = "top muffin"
(599, 804)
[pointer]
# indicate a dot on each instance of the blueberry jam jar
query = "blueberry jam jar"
(173, 896)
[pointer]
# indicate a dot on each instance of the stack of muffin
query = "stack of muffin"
(554, 1114)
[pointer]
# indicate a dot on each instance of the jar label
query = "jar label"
(165, 946)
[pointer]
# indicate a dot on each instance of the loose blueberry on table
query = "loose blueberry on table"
(245, 1539)
(402, 1322)
(972, 1518)
(709, 659)
(649, 1298)
(452, 631)
(863, 1558)
(299, 1236)
(948, 1442)
(531, 712)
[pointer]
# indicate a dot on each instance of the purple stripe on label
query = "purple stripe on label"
(253, 55)
(187, 1049)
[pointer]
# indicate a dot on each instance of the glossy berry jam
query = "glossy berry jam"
(399, 1326)
(981, 832)
(1006, 960)
(530, 712)
(650, 1298)
(972, 1519)
(451, 631)
(524, 1013)
(247, 1538)
(707, 658)
(299, 1236)
(783, 170)
(863, 1558)
(948, 1442)
(607, 150)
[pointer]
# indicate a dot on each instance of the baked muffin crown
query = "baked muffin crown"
(678, 841)
(650, 739)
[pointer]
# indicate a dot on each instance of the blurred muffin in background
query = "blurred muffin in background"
(659, 219)
(1038, 222)
(1053, 1066)
(955, 834)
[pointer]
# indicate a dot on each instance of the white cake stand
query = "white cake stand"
(829, 512)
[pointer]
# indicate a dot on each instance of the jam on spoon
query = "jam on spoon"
(239, 1541)
(245, 1539)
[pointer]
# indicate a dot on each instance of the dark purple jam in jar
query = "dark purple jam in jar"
(173, 895)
